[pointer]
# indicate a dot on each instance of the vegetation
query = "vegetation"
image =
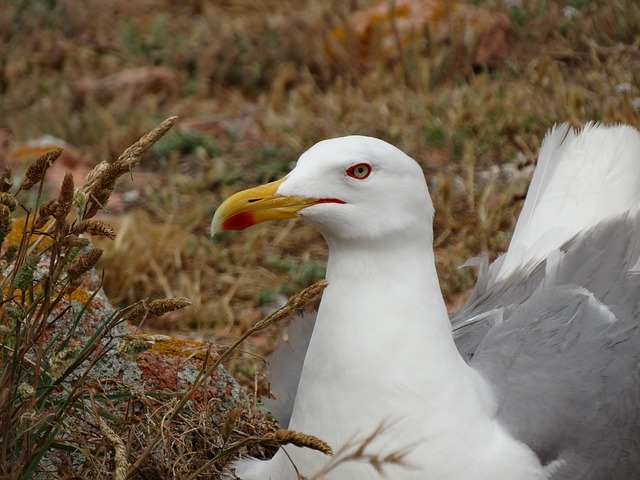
(72, 398)
(253, 85)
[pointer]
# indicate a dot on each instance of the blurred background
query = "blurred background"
(468, 89)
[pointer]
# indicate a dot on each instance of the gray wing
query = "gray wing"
(285, 367)
(564, 356)
(580, 260)
(492, 303)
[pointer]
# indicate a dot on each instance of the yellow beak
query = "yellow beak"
(256, 205)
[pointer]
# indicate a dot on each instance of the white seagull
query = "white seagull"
(536, 377)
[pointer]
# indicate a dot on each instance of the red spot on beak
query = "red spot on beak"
(328, 200)
(238, 222)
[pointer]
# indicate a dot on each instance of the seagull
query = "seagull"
(537, 376)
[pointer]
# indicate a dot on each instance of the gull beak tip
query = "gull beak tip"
(216, 224)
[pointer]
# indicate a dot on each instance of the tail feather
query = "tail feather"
(581, 179)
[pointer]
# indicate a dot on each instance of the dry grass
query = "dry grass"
(59, 418)
(46, 390)
(254, 84)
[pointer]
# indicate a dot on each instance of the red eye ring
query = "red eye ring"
(359, 171)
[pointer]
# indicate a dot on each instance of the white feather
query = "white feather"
(581, 178)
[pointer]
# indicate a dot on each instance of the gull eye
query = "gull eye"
(359, 171)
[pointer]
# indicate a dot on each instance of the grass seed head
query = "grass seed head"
(41, 221)
(5, 179)
(48, 208)
(8, 200)
(285, 437)
(131, 156)
(102, 189)
(143, 310)
(166, 305)
(25, 275)
(95, 227)
(5, 221)
(25, 391)
(75, 241)
(102, 180)
(306, 296)
(94, 175)
(35, 172)
(296, 303)
(137, 312)
(83, 263)
(61, 360)
(65, 199)
(100, 184)
(132, 347)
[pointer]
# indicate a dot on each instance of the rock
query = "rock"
(134, 380)
(244, 125)
(486, 34)
(22, 154)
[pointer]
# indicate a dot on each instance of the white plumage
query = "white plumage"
(382, 350)
(580, 179)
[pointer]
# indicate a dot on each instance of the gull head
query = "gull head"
(350, 188)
